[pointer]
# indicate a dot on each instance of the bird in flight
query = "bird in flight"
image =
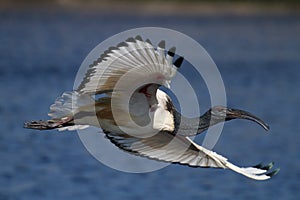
(121, 94)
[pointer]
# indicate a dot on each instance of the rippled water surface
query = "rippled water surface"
(40, 52)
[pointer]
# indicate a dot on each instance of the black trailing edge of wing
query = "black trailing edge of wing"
(178, 62)
(171, 51)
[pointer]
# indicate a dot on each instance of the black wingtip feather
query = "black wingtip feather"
(122, 44)
(178, 62)
(113, 48)
(148, 41)
(171, 51)
(131, 39)
(109, 50)
(162, 44)
(138, 37)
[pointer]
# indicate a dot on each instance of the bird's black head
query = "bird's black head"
(220, 113)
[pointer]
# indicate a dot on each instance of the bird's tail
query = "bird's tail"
(63, 111)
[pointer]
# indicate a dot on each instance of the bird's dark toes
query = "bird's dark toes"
(273, 173)
(259, 166)
(264, 167)
(268, 167)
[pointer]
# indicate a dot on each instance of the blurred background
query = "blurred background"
(255, 45)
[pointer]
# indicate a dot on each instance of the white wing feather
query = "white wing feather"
(135, 56)
(178, 149)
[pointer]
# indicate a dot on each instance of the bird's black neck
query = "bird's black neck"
(192, 126)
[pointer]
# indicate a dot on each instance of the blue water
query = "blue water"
(40, 52)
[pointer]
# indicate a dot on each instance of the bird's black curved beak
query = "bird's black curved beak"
(241, 114)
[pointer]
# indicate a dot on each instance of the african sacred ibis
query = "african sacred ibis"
(138, 64)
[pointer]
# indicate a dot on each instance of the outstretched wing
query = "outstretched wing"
(120, 71)
(178, 149)
(132, 72)
(137, 59)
